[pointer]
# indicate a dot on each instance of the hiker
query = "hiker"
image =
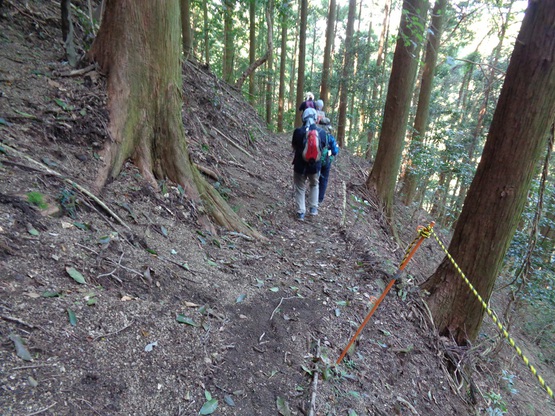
(304, 170)
(329, 152)
(308, 102)
(319, 106)
(331, 149)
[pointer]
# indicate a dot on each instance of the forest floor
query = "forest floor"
(151, 315)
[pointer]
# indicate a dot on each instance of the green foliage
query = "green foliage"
(37, 199)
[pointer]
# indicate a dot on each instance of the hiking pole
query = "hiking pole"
(423, 233)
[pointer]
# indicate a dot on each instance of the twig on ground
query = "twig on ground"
(279, 304)
(17, 320)
(72, 183)
(42, 410)
(237, 146)
(77, 72)
(113, 333)
(27, 367)
(314, 387)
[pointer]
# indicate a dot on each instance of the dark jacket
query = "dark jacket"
(299, 164)
(306, 104)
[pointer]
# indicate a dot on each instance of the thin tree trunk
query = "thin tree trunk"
(302, 55)
(252, 47)
(423, 109)
(384, 173)
(346, 75)
(187, 36)
(283, 59)
(326, 66)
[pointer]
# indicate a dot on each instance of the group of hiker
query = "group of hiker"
(314, 148)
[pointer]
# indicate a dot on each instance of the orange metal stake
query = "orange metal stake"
(382, 296)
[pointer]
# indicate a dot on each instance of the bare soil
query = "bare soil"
(169, 316)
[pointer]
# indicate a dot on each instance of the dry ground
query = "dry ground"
(168, 316)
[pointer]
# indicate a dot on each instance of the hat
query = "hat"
(309, 113)
(319, 104)
(309, 96)
(325, 120)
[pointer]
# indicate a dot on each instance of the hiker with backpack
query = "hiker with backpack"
(331, 150)
(308, 143)
(308, 102)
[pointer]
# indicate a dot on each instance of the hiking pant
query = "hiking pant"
(299, 182)
(323, 183)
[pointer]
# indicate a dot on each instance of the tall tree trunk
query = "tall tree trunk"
(292, 79)
(205, 30)
(383, 176)
(302, 65)
(187, 36)
(346, 74)
(283, 59)
(67, 32)
(270, 66)
(138, 46)
(498, 193)
(229, 40)
(326, 66)
(252, 47)
(376, 87)
(423, 109)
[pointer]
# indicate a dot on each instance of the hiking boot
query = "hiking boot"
(300, 216)
(313, 211)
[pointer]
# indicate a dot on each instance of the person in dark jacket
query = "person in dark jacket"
(302, 170)
(308, 102)
(332, 150)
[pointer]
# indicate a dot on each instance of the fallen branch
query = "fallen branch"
(208, 172)
(233, 143)
(72, 183)
(113, 333)
(314, 387)
(17, 320)
(77, 72)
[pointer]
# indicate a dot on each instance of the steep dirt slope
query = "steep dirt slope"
(168, 316)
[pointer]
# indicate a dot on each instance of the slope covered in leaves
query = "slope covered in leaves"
(119, 303)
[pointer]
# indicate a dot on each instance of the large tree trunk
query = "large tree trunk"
(383, 176)
(346, 74)
(139, 47)
(326, 66)
(498, 193)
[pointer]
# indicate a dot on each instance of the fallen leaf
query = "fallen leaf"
(209, 407)
(283, 407)
(182, 319)
(20, 349)
(76, 275)
(71, 316)
(126, 298)
(241, 298)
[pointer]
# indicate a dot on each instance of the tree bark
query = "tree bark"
(270, 64)
(423, 109)
(283, 61)
(139, 48)
(383, 176)
(376, 87)
(326, 66)
(252, 48)
(302, 64)
(346, 74)
(187, 37)
(498, 193)
(229, 38)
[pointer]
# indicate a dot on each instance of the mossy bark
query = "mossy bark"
(139, 48)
